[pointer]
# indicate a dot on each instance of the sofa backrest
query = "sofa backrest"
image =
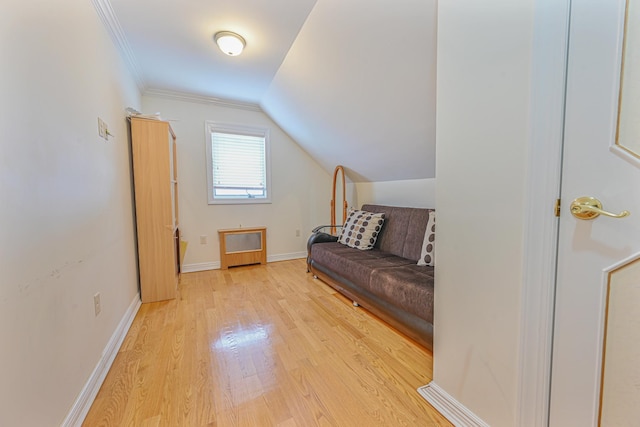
(403, 230)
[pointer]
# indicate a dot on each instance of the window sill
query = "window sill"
(239, 201)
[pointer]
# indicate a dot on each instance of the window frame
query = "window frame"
(210, 128)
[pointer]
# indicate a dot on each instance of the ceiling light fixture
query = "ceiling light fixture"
(230, 43)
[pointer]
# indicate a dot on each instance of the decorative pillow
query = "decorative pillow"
(361, 229)
(428, 254)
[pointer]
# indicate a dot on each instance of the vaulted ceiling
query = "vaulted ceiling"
(351, 81)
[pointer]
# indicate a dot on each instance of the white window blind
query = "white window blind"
(237, 165)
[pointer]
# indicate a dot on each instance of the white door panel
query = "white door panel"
(596, 255)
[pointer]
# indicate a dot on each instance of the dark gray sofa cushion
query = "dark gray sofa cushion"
(403, 231)
(353, 264)
(408, 287)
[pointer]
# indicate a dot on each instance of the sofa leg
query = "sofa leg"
(355, 304)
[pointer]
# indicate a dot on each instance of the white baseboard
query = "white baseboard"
(202, 266)
(215, 265)
(449, 407)
(286, 257)
(90, 390)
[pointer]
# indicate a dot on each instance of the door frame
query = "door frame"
(548, 90)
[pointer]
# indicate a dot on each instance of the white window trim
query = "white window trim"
(210, 127)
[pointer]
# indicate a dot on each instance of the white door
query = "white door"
(596, 357)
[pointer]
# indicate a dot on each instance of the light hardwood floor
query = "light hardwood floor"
(263, 346)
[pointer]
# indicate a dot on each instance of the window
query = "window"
(237, 164)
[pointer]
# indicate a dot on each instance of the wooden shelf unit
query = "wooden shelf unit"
(155, 176)
(242, 246)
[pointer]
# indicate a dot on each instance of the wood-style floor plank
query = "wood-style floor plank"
(263, 346)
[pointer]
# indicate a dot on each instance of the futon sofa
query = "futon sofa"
(386, 279)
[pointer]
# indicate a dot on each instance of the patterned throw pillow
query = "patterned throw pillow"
(361, 229)
(428, 254)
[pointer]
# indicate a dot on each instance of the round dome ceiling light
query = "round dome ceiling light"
(230, 43)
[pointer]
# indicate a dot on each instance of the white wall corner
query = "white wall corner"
(450, 408)
(111, 23)
(85, 399)
(543, 188)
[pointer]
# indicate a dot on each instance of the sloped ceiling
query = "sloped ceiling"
(352, 81)
(357, 88)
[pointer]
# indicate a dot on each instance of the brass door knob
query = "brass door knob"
(587, 208)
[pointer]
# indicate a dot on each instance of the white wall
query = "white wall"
(358, 87)
(417, 193)
(66, 224)
(301, 189)
(484, 65)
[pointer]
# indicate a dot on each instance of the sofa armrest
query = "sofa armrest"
(319, 237)
(320, 227)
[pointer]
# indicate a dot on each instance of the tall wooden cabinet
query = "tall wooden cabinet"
(156, 195)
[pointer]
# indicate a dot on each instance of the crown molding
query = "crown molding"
(111, 23)
(202, 99)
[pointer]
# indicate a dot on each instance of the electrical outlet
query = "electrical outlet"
(203, 239)
(297, 233)
(96, 303)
